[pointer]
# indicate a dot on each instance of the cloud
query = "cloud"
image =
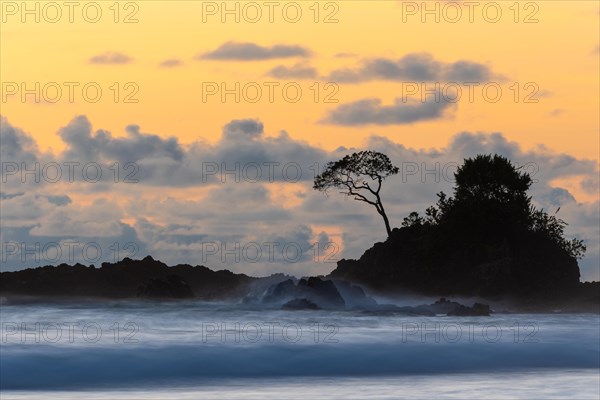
(253, 52)
(25, 250)
(171, 63)
(249, 127)
(110, 58)
(176, 207)
(422, 67)
(16, 144)
(83, 144)
(20, 152)
(297, 71)
(371, 111)
(557, 197)
(100, 219)
(164, 161)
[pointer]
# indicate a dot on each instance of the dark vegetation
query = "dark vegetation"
(487, 240)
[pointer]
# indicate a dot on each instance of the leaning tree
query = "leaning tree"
(360, 176)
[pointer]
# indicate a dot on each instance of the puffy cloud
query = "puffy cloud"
(371, 111)
(297, 71)
(253, 52)
(21, 160)
(421, 67)
(16, 144)
(243, 127)
(83, 144)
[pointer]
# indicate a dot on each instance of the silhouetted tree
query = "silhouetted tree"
(492, 184)
(553, 227)
(413, 219)
(351, 173)
(490, 198)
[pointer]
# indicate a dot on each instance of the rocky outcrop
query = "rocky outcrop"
(354, 296)
(321, 292)
(127, 278)
(152, 279)
(433, 262)
(300, 304)
(169, 287)
(478, 310)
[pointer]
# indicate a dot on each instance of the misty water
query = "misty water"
(191, 350)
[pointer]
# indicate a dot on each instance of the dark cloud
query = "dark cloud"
(466, 71)
(166, 162)
(59, 200)
(16, 144)
(63, 248)
(253, 52)
(6, 196)
(249, 127)
(85, 145)
(297, 71)
(110, 58)
(422, 67)
(371, 111)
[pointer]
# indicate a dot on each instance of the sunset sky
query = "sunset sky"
(161, 67)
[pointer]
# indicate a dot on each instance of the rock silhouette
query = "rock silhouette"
(169, 287)
(300, 304)
(321, 292)
(147, 278)
(415, 259)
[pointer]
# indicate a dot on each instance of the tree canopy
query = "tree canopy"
(359, 175)
(490, 198)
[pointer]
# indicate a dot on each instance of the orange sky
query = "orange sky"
(559, 53)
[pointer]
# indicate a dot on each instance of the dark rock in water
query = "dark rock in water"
(300, 304)
(258, 289)
(280, 290)
(442, 306)
(447, 307)
(324, 292)
(478, 310)
(169, 287)
(321, 292)
(354, 296)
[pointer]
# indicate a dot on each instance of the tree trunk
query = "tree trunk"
(385, 218)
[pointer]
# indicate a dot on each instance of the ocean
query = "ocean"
(199, 350)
